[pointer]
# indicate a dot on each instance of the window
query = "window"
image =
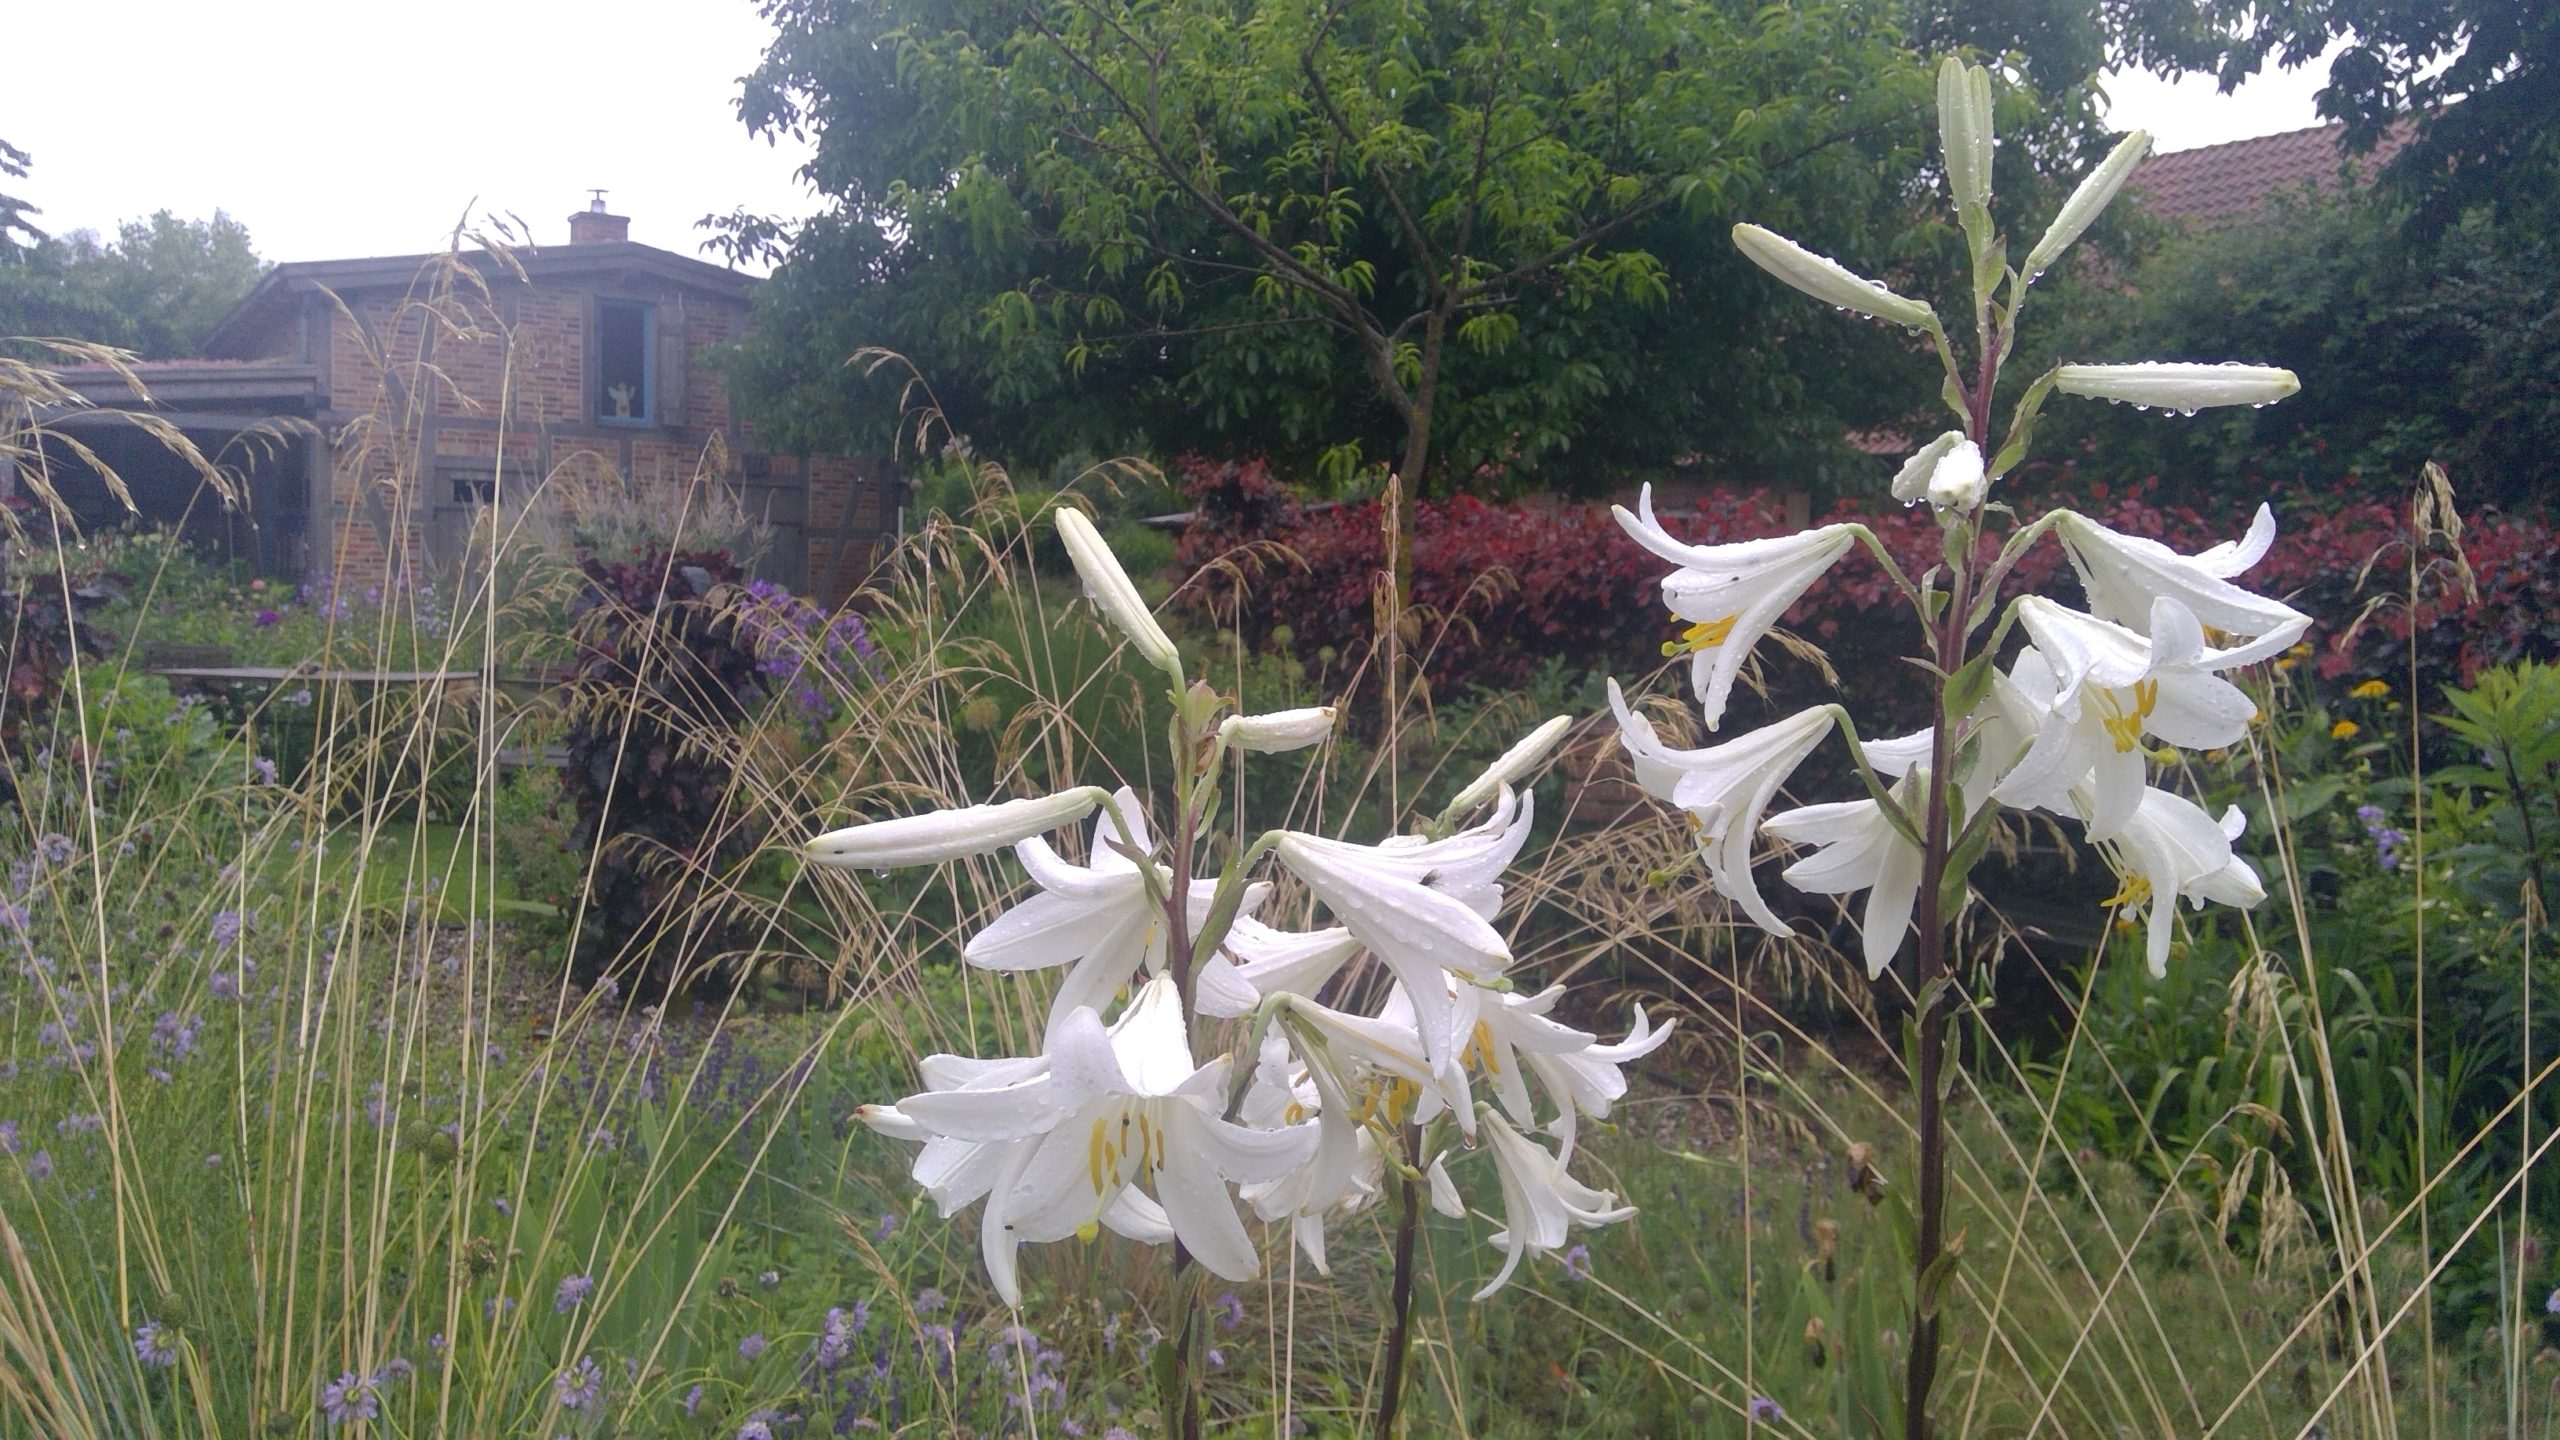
(623, 362)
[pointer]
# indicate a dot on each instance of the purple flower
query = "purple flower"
(437, 1343)
(887, 1227)
(14, 916)
(1764, 1408)
(1577, 1262)
(393, 1371)
(40, 1165)
(226, 926)
(752, 1346)
(154, 1345)
(692, 1401)
(1230, 1309)
(266, 618)
(2553, 1304)
(349, 1397)
(579, 1386)
(928, 1300)
(572, 1293)
(223, 986)
(265, 767)
(835, 1338)
(759, 1426)
(8, 1137)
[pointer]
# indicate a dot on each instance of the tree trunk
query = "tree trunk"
(1417, 450)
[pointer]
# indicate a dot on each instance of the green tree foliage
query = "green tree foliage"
(17, 232)
(2411, 347)
(1463, 239)
(2482, 78)
(157, 289)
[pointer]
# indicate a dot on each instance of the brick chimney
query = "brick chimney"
(593, 226)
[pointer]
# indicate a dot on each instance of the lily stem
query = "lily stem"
(1400, 1332)
(1951, 631)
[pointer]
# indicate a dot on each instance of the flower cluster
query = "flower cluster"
(2068, 726)
(810, 655)
(1312, 1106)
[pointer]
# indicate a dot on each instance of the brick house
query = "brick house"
(427, 387)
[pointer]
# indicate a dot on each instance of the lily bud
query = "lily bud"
(1826, 279)
(1956, 482)
(941, 835)
(1112, 592)
(1911, 482)
(2096, 192)
(1515, 762)
(1278, 731)
(1964, 131)
(2177, 387)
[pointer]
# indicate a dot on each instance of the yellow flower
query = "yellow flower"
(2345, 730)
(2370, 690)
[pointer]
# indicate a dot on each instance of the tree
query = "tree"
(158, 289)
(2478, 79)
(16, 231)
(1463, 238)
(2411, 347)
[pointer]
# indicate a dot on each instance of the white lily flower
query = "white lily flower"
(978, 1096)
(1724, 788)
(1731, 594)
(1511, 1036)
(1101, 917)
(2174, 386)
(1539, 1200)
(1859, 849)
(1112, 593)
(2172, 848)
(1826, 279)
(1121, 1111)
(1911, 482)
(2111, 687)
(1341, 1178)
(949, 834)
(1421, 906)
(1279, 731)
(2124, 574)
(1513, 763)
(1256, 960)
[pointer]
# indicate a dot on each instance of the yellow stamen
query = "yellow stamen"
(2133, 891)
(1296, 1114)
(1479, 1050)
(1705, 635)
(1098, 1156)
(2124, 727)
(1087, 1231)
(1402, 1096)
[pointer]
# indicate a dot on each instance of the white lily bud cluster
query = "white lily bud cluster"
(1119, 1124)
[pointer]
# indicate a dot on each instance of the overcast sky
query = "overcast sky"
(335, 129)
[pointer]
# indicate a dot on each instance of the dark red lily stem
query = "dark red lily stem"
(1400, 1334)
(1921, 1372)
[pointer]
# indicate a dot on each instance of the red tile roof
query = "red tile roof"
(2214, 183)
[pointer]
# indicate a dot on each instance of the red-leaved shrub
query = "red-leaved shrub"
(1500, 588)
